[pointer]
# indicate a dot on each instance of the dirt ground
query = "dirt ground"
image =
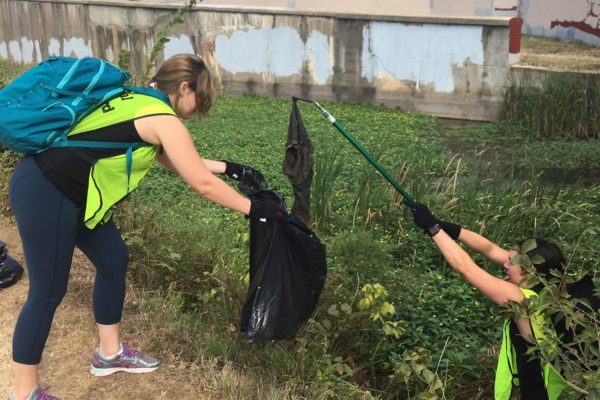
(66, 360)
(559, 55)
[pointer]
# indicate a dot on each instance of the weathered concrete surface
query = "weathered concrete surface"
(479, 8)
(452, 66)
(569, 20)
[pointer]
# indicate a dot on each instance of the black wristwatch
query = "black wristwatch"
(434, 230)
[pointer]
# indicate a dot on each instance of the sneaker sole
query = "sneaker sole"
(109, 371)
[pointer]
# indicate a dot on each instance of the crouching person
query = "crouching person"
(536, 379)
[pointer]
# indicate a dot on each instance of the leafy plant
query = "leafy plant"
(191, 257)
(124, 61)
(412, 368)
(374, 299)
(578, 359)
(162, 38)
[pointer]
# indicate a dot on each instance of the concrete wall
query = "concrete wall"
(451, 67)
(568, 20)
(481, 8)
(571, 20)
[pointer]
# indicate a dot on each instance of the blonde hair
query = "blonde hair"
(191, 69)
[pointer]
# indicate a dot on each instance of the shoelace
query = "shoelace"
(42, 395)
(129, 352)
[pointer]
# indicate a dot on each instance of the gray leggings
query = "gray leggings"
(50, 226)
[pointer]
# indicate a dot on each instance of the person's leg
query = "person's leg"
(47, 223)
(25, 380)
(107, 251)
(105, 248)
(109, 338)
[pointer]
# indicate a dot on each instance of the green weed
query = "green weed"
(192, 257)
(565, 105)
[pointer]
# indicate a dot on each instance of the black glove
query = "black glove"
(236, 171)
(233, 170)
(425, 219)
(451, 229)
(268, 208)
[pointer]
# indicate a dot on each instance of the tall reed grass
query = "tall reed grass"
(327, 169)
(564, 105)
(9, 71)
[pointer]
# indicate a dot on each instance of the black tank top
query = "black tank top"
(69, 168)
(530, 370)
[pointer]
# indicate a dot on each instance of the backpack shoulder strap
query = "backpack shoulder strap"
(129, 105)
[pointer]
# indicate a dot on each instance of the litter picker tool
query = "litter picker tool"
(409, 201)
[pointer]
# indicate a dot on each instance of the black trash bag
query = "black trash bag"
(252, 181)
(10, 270)
(287, 271)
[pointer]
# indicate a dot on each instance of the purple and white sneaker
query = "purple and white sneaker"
(37, 394)
(126, 360)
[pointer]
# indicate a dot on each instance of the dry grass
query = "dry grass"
(559, 54)
(73, 338)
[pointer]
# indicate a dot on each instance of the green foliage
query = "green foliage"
(412, 369)
(345, 349)
(9, 71)
(503, 151)
(393, 320)
(326, 170)
(124, 59)
(578, 360)
(371, 196)
(162, 39)
(361, 254)
(566, 105)
(8, 161)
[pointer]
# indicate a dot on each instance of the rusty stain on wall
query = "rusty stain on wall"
(589, 24)
(568, 20)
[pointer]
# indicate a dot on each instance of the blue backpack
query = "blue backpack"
(40, 107)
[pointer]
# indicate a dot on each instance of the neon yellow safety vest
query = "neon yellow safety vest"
(109, 181)
(506, 372)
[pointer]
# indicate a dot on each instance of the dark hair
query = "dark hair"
(553, 257)
(191, 69)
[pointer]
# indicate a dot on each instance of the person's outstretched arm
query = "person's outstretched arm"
(180, 154)
(475, 242)
(216, 167)
(484, 246)
(496, 289)
(233, 170)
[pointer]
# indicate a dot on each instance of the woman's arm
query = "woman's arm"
(181, 156)
(484, 246)
(496, 289)
(216, 167)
